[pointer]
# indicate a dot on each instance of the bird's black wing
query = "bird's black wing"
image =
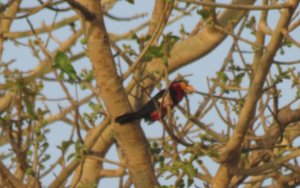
(151, 105)
(144, 112)
(158, 96)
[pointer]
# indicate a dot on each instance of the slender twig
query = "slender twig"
(238, 6)
(287, 62)
(217, 96)
(126, 18)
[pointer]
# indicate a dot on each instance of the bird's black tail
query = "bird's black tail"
(126, 118)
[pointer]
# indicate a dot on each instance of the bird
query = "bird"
(156, 107)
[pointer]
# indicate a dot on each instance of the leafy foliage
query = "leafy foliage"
(63, 63)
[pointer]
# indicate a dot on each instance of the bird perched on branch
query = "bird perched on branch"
(156, 108)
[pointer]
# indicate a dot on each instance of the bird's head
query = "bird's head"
(183, 84)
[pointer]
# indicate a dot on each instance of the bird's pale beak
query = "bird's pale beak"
(189, 89)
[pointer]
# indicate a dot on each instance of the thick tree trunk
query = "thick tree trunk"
(130, 137)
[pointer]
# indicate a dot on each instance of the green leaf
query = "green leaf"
(86, 75)
(279, 68)
(189, 170)
(251, 22)
(79, 147)
(83, 41)
(62, 62)
(213, 153)
(29, 152)
(90, 76)
(203, 13)
(153, 52)
(222, 76)
(29, 170)
(130, 1)
(168, 43)
(182, 30)
(170, 39)
(45, 145)
(161, 158)
(42, 167)
(65, 145)
(165, 62)
(60, 59)
(71, 156)
(298, 94)
(238, 79)
(30, 107)
(95, 107)
(46, 158)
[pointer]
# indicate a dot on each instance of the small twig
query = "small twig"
(126, 18)
(287, 63)
(121, 53)
(253, 148)
(237, 37)
(238, 6)
(50, 7)
(217, 96)
(294, 25)
(280, 126)
(77, 123)
(203, 126)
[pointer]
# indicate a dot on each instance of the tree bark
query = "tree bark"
(130, 137)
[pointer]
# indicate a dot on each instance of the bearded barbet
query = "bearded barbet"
(157, 107)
